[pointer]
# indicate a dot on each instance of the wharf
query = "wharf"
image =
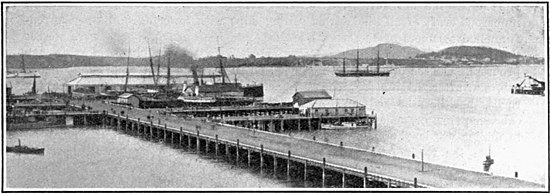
(401, 171)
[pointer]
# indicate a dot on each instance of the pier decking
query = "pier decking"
(351, 165)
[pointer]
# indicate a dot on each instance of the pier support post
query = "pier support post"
(323, 175)
(415, 183)
(217, 145)
(118, 122)
(309, 124)
(344, 178)
(138, 127)
(164, 132)
(261, 159)
(282, 125)
(319, 126)
(237, 153)
(274, 166)
(422, 159)
(271, 126)
(198, 143)
(85, 121)
(299, 128)
(305, 173)
(207, 143)
(288, 167)
(151, 130)
(126, 124)
(227, 151)
(181, 135)
(365, 177)
(189, 141)
(248, 157)
(103, 119)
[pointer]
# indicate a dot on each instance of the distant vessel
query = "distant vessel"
(24, 73)
(24, 149)
(362, 73)
(529, 85)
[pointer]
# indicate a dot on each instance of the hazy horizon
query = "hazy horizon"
(269, 30)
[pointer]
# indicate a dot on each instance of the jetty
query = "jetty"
(319, 163)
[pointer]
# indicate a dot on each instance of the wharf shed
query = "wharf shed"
(129, 99)
(304, 97)
(100, 83)
(333, 107)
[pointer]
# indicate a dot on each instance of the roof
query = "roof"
(314, 94)
(134, 79)
(125, 95)
(94, 81)
(332, 103)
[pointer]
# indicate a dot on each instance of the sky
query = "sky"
(269, 29)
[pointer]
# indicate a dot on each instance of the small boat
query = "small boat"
(24, 149)
(344, 126)
(529, 85)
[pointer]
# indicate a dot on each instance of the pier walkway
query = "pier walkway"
(401, 169)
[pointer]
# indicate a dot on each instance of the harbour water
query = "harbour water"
(455, 115)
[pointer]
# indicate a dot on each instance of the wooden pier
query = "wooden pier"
(301, 161)
(320, 164)
(282, 123)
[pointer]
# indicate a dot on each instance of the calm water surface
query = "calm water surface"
(103, 158)
(453, 114)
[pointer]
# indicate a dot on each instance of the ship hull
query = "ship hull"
(362, 74)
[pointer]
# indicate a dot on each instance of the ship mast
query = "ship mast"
(158, 64)
(357, 65)
(344, 64)
(127, 72)
(168, 73)
(378, 60)
(23, 63)
(222, 70)
(151, 64)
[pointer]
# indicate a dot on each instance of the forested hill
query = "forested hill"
(476, 53)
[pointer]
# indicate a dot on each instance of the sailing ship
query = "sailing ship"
(24, 73)
(24, 149)
(362, 73)
(529, 85)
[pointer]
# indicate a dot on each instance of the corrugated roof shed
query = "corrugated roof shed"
(332, 103)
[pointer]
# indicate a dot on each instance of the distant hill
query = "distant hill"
(392, 51)
(477, 54)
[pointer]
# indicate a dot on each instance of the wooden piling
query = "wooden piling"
(274, 166)
(189, 141)
(138, 127)
(126, 124)
(118, 122)
(207, 143)
(298, 128)
(261, 159)
(151, 130)
(323, 175)
(248, 157)
(227, 151)
(415, 183)
(305, 171)
(85, 121)
(164, 132)
(237, 153)
(217, 145)
(181, 135)
(288, 166)
(344, 178)
(198, 148)
(365, 173)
